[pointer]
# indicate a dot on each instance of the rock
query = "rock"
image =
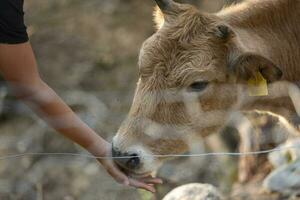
(279, 158)
(285, 179)
(194, 191)
(289, 152)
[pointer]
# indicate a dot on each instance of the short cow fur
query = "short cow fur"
(193, 74)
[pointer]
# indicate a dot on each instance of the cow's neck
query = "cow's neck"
(270, 28)
(278, 100)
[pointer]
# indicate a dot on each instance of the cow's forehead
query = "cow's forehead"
(172, 60)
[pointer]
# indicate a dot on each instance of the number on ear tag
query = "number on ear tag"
(258, 86)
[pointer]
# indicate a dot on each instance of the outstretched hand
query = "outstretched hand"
(146, 183)
(19, 68)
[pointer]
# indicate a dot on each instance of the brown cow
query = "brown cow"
(193, 75)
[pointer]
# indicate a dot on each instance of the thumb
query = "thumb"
(118, 175)
(126, 182)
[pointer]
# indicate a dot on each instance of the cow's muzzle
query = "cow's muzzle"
(127, 161)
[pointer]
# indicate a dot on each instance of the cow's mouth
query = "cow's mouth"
(137, 175)
(131, 172)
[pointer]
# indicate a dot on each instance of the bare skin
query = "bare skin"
(19, 68)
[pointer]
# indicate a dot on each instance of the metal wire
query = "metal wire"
(13, 156)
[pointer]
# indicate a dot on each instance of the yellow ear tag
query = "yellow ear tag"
(258, 86)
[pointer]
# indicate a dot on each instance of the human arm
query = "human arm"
(19, 68)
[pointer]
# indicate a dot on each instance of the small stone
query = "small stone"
(194, 191)
(289, 152)
(284, 180)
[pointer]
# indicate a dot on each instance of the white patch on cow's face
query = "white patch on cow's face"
(200, 118)
(192, 105)
(154, 130)
(164, 131)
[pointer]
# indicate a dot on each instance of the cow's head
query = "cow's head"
(188, 72)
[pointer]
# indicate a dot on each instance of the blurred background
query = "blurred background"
(87, 51)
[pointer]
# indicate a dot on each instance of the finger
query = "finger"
(152, 180)
(113, 171)
(118, 175)
(139, 184)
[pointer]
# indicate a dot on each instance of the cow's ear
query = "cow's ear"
(158, 17)
(247, 65)
(165, 11)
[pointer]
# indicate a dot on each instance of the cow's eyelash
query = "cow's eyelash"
(198, 86)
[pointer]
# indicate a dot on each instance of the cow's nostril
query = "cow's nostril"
(124, 160)
(133, 161)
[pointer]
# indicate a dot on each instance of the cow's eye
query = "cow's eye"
(198, 86)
